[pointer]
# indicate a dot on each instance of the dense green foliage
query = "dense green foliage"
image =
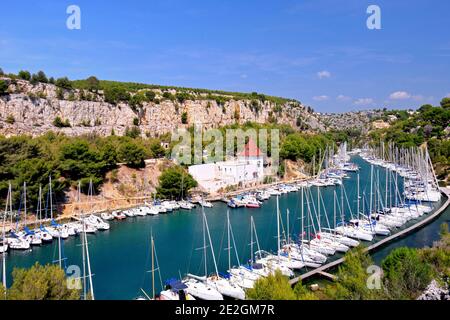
(132, 154)
(3, 88)
(184, 118)
(182, 93)
(24, 75)
(67, 160)
(64, 83)
(406, 274)
(277, 287)
(59, 123)
(301, 146)
(175, 183)
(41, 283)
(116, 94)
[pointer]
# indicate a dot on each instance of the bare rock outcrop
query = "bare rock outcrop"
(32, 109)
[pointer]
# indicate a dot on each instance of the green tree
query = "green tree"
(174, 182)
(352, 278)
(34, 79)
(116, 94)
(274, 287)
(41, 77)
(59, 123)
(445, 102)
(182, 96)
(150, 95)
(93, 84)
(157, 151)
(41, 283)
(184, 117)
(24, 75)
(132, 154)
(137, 101)
(64, 83)
(405, 274)
(167, 95)
(3, 87)
(133, 133)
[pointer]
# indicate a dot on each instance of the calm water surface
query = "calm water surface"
(120, 257)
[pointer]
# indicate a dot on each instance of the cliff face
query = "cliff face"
(32, 109)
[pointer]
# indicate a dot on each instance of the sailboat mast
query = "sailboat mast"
(371, 185)
(229, 246)
(25, 201)
(251, 238)
(10, 204)
(153, 266)
(334, 208)
(210, 242)
(51, 202)
(358, 200)
(83, 247)
(278, 229)
(3, 243)
(204, 243)
(91, 287)
(287, 222)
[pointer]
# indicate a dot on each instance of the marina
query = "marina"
(289, 225)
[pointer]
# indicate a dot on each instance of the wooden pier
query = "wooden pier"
(419, 224)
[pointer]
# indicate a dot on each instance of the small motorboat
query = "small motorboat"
(118, 215)
(107, 216)
(205, 204)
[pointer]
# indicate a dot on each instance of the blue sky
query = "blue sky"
(317, 51)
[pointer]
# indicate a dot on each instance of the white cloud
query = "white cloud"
(320, 98)
(341, 97)
(363, 101)
(400, 95)
(323, 74)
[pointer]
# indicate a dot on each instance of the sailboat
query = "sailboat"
(198, 286)
(13, 240)
(4, 248)
(331, 234)
(366, 222)
(86, 262)
(29, 235)
(55, 229)
(41, 231)
(327, 242)
(241, 276)
(221, 281)
(93, 220)
(184, 204)
(278, 262)
(4, 244)
(174, 289)
(152, 246)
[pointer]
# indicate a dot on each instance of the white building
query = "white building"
(247, 168)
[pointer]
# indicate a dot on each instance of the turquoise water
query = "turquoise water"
(120, 257)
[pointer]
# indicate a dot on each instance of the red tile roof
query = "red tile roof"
(250, 150)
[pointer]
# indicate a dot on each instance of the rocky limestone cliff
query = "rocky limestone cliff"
(32, 109)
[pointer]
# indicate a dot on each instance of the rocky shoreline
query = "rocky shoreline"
(435, 291)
